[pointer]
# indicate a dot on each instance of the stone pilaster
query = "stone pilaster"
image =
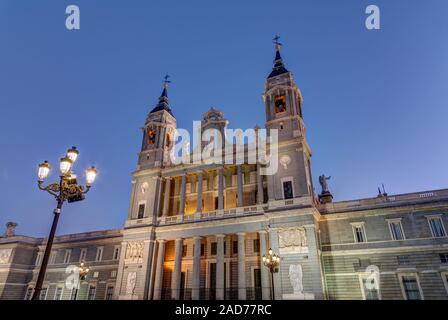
(260, 193)
(273, 241)
(220, 188)
(314, 260)
(199, 193)
(240, 186)
(159, 270)
(183, 189)
(117, 290)
(166, 200)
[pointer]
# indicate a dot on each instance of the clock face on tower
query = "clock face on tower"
(280, 104)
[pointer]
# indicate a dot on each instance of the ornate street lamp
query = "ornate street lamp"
(82, 271)
(271, 261)
(67, 189)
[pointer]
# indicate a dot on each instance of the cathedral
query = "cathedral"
(225, 231)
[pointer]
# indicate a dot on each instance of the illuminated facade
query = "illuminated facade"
(199, 231)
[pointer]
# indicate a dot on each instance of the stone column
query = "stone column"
(196, 282)
(199, 193)
(220, 267)
(273, 241)
(260, 192)
(183, 187)
(175, 277)
(241, 267)
(265, 280)
(220, 188)
(166, 200)
(240, 186)
(314, 260)
(271, 187)
(159, 270)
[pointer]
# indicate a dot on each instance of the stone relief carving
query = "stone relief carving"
(292, 240)
(134, 252)
(144, 187)
(296, 276)
(130, 283)
(285, 161)
(5, 254)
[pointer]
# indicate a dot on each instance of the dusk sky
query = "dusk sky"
(375, 102)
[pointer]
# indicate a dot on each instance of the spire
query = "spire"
(279, 66)
(163, 100)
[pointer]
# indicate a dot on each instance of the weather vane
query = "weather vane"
(275, 40)
(166, 81)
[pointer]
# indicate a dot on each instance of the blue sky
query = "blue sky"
(375, 102)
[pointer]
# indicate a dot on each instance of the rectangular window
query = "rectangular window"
(92, 292)
(437, 228)
(411, 288)
(113, 273)
(109, 292)
(216, 203)
(29, 293)
(403, 260)
(58, 294)
(256, 245)
(67, 256)
(202, 249)
(213, 249)
(225, 247)
(359, 232)
(184, 250)
(116, 252)
(82, 255)
(99, 254)
(235, 247)
(396, 230)
(287, 190)
(257, 278)
(43, 294)
(53, 257)
(141, 211)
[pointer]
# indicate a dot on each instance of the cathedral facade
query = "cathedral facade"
(198, 231)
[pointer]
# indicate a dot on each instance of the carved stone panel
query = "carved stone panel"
(5, 255)
(292, 240)
(130, 283)
(134, 252)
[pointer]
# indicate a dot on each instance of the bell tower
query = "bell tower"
(158, 133)
(283, 105)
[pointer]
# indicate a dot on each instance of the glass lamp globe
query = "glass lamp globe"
(43, 171)
(65, 165)
(91, 175)
(72, 154)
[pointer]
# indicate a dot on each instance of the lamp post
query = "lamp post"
(271, 261)
(82, 271)
(67, 189)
